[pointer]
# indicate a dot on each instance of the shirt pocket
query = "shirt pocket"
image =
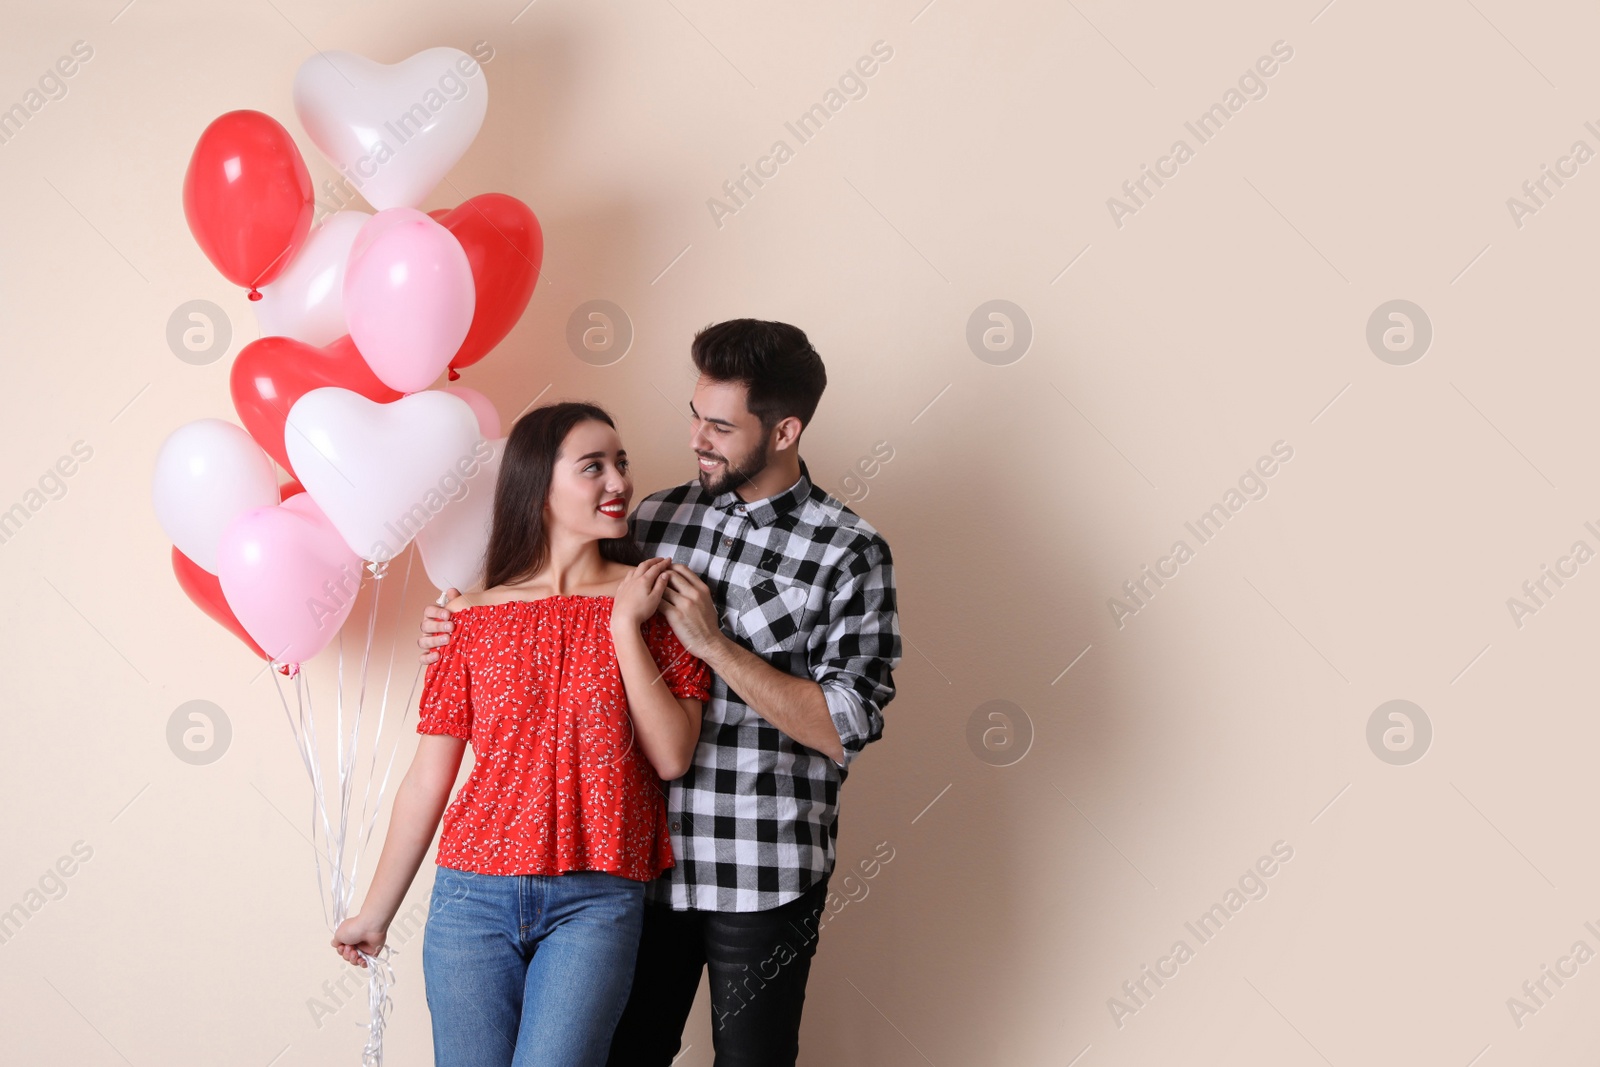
(769, 613)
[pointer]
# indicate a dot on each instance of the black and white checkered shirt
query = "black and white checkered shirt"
(808, 585)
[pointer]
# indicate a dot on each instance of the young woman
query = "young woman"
(578, 700)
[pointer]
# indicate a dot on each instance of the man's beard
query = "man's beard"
(733, 477)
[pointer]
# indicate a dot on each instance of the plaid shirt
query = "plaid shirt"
(808, 585)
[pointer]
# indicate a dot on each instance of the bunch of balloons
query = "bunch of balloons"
(359, 318)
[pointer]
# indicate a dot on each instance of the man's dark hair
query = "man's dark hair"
(773, 360)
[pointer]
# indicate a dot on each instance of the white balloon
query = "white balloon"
(306, 301)
(381, 472)
(394, 130)
(208, 472)
(455, 544)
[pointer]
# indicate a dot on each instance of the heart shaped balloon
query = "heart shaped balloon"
(203, 588)
(455, 544)
(394, 130)
(289, 577)
(505, 247)
(269, 374)
(307, 301)
(382, 471)
(482, 406)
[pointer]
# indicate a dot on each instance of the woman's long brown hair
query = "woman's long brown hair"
(519, 542)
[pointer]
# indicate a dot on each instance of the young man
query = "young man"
(796, 616)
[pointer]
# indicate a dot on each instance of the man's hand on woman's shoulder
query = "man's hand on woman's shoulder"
(436, 626)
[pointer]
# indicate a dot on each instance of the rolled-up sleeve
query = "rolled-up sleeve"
(861, 648)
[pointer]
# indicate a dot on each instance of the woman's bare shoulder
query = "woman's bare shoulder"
(500, 594)
(465, 600)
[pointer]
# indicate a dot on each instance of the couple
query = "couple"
(658, 742)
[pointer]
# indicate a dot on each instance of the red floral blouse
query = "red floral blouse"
(557, 783)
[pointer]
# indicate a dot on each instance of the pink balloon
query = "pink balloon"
(408, 297)
(377, 223)
(482, 406)
(289, 577)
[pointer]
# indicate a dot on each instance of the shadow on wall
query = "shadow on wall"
(974, 882)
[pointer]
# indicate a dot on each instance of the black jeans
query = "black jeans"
(759, 962)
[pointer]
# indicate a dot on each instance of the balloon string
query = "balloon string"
(346, 765)
(308, 747)
(306, 758)
(320, 800)
(379, 1003)
(377, 734)
(393, 751)
(332, 844)
(381, 975)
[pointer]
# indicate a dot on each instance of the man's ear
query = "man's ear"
(788, 431)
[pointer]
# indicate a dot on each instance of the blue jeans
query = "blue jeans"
(529, 969)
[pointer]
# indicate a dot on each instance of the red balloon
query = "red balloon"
(205, 589)
(271, 373)
(505, 246)
(248, 197)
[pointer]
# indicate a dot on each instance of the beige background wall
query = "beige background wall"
(1168, 353)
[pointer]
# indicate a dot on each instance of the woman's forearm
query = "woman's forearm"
(666, 734)
(418, 805)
